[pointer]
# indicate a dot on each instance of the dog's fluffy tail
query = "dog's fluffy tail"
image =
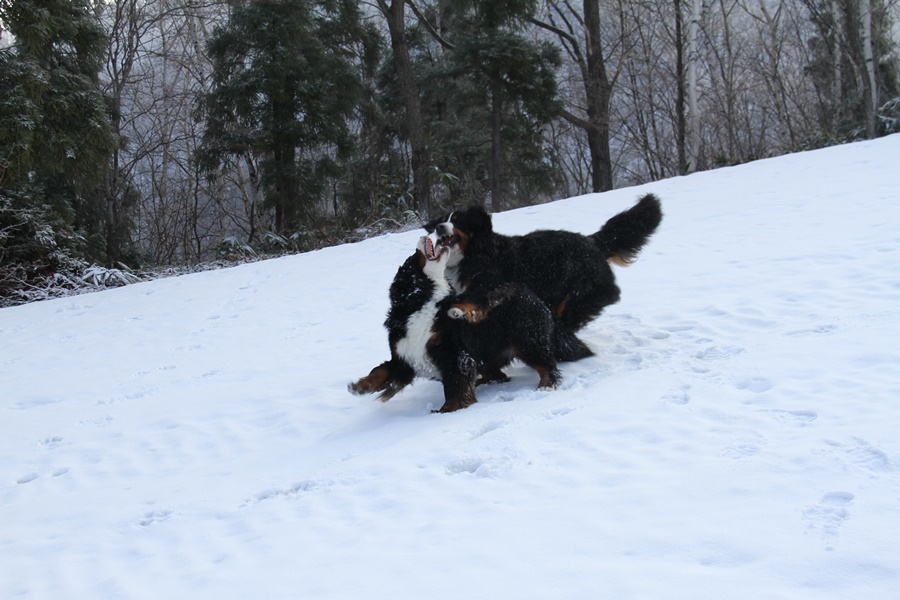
(622, 237)
(567, 347)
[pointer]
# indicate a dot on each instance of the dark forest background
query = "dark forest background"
(142, 134)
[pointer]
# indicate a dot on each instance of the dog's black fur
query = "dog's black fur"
(428, 337)
(568, 271)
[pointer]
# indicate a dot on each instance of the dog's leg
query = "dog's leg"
(550, 376)
(459, 384)
(534, 346)
(493, 375)
(389, 377)
(592, 295)
(375, 381)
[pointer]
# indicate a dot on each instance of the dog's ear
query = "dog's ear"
(431, 225)
(480, 219)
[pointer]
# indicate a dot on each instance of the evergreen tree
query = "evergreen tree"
(283, 90)
(413, 123)
(488, 92)
(55, 134)
(517, 77)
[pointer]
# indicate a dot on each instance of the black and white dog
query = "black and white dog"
(432, 334)
(568, 271)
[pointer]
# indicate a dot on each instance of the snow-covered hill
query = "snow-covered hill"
(737, 434)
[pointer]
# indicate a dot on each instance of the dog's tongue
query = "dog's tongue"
(429, 249)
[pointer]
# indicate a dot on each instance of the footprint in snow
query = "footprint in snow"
(746, 444)
(680, 327)
(27, 478)
(153, 517)
(718, 352)
(97, 422)
(51, 442)
(558, 412)
(754, 383)
(797, 418)
(829, 514)
(861, 454)
(487, 428)
(818, 330)
(474, 466)
(291, 491)
(678, 395)
(741, 450)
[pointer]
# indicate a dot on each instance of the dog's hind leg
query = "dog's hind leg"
(546, 369)
(585, 304)
(534, 348)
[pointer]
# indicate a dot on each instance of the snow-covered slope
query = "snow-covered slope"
(735, 436)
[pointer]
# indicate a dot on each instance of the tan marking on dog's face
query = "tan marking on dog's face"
(450, 229)
(463, 238)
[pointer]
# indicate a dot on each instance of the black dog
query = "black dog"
(428, 337)
(568, 271)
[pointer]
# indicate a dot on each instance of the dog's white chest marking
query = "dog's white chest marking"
(419, 329)
(452, 271)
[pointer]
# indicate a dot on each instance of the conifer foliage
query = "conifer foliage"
(284, 86)
(55, 141)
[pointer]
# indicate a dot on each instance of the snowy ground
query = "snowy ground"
(735, 436)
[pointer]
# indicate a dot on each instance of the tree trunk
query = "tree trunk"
(693, 125)
(599, 92)
(496, 147)
(415, 125)
(870, 91)
(838, 90)
(597, 87)
(680, 124)
(853, 27)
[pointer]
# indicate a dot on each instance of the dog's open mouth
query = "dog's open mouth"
(448, 241)
(429, 249)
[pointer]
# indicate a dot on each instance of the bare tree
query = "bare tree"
(870, 90)
(693, 124)
(579, 33)
(156, 65)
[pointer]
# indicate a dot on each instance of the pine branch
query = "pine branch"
(434, 33)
